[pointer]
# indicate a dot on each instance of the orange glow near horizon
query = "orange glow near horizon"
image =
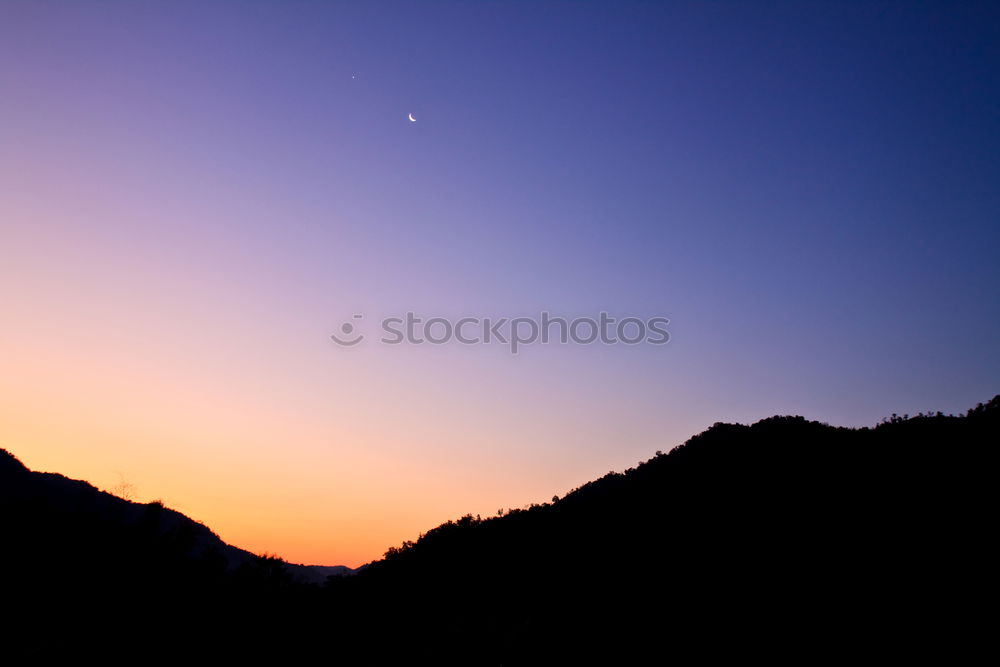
(197, 393)
(311, 468)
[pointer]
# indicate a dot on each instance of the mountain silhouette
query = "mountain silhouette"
(786, 539)
(80, 557)
(165, 530)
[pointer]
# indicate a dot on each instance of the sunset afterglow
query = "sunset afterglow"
(194, 196)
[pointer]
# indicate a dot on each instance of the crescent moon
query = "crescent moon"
(412, 119)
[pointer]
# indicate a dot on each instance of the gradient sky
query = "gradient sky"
(194, 195)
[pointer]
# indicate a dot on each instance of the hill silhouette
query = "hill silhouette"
(77, 556)
(786, 539)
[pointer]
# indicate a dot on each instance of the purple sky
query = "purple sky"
(194, 195)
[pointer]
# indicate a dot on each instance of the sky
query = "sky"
(195, 195)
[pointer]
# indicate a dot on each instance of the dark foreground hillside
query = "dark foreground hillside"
(786, 539)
